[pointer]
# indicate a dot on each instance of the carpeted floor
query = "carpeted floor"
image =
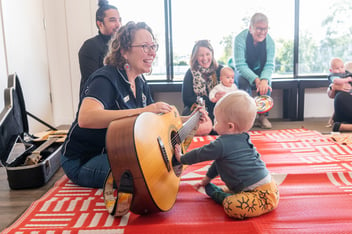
(312, 170)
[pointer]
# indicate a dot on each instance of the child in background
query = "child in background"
(339, 75)
(348, 66)
(226, 84)
(250, 189)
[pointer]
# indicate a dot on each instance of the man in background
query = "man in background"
(91, 54)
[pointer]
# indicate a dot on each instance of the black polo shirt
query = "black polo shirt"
(109, 86)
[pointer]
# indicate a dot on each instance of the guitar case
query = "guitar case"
(16, 144)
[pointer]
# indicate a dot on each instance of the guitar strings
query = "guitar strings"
(184, 131)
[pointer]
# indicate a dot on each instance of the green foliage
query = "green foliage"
(226, 42)
(182, 63)
(284, 56)
(313, 55)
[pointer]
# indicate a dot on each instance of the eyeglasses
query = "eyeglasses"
(259, 29)
(148, 48)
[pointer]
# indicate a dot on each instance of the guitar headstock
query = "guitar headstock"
(200, 101)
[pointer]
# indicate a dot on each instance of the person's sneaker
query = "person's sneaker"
(336, 127)
(123, 205)
(264, 122)
(257, 123)
(124, 194)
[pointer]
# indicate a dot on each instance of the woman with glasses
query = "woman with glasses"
(202, 76)
(253, 58)
(114, 91)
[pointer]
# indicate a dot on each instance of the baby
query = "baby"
(338, 74)
(226, 84)
(235, 160)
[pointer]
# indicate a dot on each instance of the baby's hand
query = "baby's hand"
(178, 152)
(203, 182)
(198, 185)
(219, 95)
(348, 79)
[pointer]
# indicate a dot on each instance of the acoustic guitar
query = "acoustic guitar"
(143, 145)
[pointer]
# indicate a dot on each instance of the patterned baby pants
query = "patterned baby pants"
(261, 200)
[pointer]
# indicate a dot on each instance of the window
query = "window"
(326, 35)
(153, 14)
(220, 21)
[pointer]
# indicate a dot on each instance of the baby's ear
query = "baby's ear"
(232, 126)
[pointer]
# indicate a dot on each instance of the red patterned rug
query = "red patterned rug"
(313, 171)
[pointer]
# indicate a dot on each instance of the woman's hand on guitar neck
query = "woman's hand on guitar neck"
(204, 114)
(203, 117)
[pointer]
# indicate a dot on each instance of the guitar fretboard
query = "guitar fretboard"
(189, 126)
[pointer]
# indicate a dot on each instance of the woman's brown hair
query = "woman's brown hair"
(122, 41)
(202, 43)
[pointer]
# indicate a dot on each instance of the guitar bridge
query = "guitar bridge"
(163, 154)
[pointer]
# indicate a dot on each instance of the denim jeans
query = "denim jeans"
(89, 174)
(243, 84)
(343, 108)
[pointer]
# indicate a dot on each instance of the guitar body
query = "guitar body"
(143, 145)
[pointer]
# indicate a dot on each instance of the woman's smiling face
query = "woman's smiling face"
(259, 31)
(204, 57)
(140, 60)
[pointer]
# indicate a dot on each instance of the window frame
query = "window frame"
(293, 87)
(169, 49)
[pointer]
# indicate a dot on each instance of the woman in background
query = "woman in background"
(202, 76)
(254, 55)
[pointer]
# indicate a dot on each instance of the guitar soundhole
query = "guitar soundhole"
(176, 166)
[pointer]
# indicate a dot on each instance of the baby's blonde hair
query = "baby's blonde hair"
(226, 69)
(335, 60)
(237, 107)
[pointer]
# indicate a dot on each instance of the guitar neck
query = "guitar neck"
(189, 126)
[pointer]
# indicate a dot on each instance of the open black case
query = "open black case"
(16, 144)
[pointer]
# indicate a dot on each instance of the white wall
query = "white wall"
(69, 23)
(317, 103)
(26, 54)
(59, 60)
(175, 99)
(40, 42)
(3, 65)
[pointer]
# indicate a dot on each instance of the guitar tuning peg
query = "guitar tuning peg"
(200, 101)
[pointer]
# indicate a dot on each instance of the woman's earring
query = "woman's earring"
(127, 67)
